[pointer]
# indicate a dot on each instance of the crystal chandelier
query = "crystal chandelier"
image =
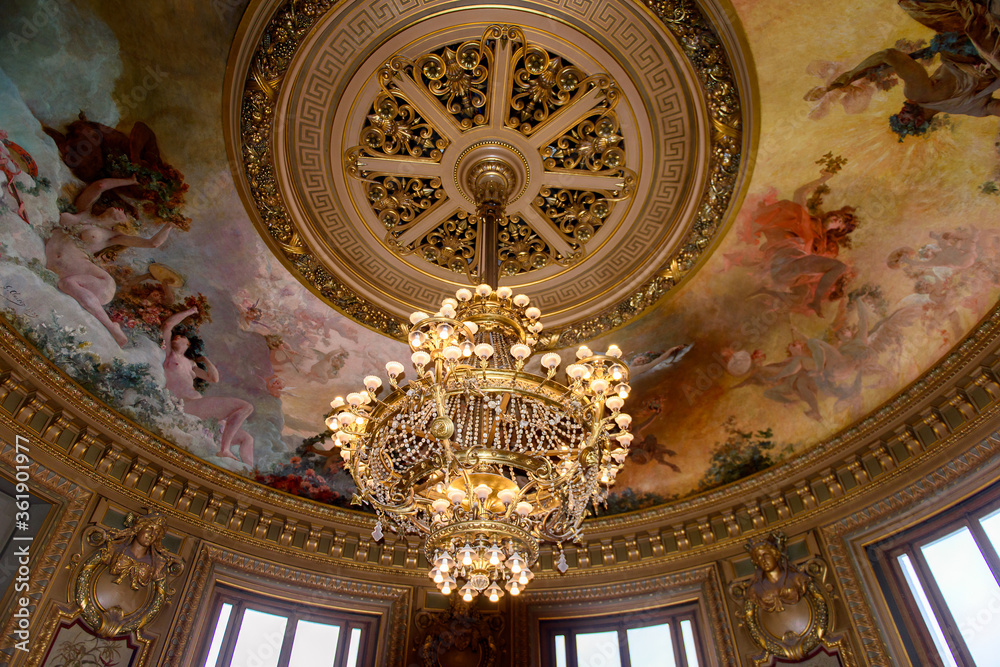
(482, 457)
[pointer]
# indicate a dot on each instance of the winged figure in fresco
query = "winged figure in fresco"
(800, 243)
(968, 43)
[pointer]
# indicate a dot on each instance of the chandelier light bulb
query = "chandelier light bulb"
(599, 385)
(514, 590)
(467, 349)
(440, 505)
(343, 438)
(523, 508)
(482, 492)
(520, 351)
(536, 327)
(456, 496)
(604, 477)
(619, 455)
(338, 402)
(463, 295)
(373, 382)
(624, 439)
(615, 402)
(494, 592)
(466, 554)
(467, 592)
(506, 496)
(623, 420)
(551, 360)
(417, 316)
(484, 351)
(420, 358)
(417, 338)
(345, 418)
(438, 577)
(576, 371)
(452, 353)
(355, 399)
(447, 584)
(614, 351)
(449, 302)
(623, 390)
(584, 352)
(504, 292)
(394, 369)
(332, 423)
(472, 327)
(448, 311)
(484, 290)
(521, 300)
(532, 313)
(346, 455)
(445, 330)
(523, 579)
(617, 372)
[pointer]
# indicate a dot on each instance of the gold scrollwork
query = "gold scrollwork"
(543, 83)
(458, 76)
(452, 244)
(395, 126)
(121, 586)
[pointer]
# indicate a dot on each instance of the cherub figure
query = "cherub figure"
(70, 251)
(182, 371)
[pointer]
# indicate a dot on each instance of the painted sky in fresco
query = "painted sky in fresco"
(856, 261)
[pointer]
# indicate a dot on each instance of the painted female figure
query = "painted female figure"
(801, 248)
(70, 251)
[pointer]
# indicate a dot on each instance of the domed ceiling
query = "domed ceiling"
(783, 213)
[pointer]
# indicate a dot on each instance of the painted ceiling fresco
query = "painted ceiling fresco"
(868, 243)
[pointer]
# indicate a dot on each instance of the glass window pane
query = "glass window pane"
(218, 635)
(925, 610)
(687, 632)
(598, 649)
(651, 646)
(315, 645)
(970, 590)
(560, 650)
(260, 639)
(354, 648)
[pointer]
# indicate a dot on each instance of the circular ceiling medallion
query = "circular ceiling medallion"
(362, 130)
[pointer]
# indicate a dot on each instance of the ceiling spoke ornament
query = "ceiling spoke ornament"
(548, 105)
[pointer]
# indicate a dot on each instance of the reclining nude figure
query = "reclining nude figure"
(182, 371)
(70, 251)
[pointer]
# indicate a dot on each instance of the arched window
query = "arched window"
(665, 637)
(256, 631)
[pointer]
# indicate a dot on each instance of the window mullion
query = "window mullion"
(986, 548)
(571, 649)
(625, 657)
(291, 625)
(680, 655)
(342, 641)
(940, 608)
(232, 634)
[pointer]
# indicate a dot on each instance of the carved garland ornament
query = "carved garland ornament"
(458, 75)
(133, 560)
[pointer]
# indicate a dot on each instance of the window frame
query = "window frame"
(242, 600)
(916, 636)
(549, 629)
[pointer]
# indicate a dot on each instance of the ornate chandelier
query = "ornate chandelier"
(485, 458)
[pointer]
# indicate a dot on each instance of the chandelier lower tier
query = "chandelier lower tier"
(482, 457)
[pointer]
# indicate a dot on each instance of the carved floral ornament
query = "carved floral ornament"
(615, 164)
(121, 586)
(786, 611)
